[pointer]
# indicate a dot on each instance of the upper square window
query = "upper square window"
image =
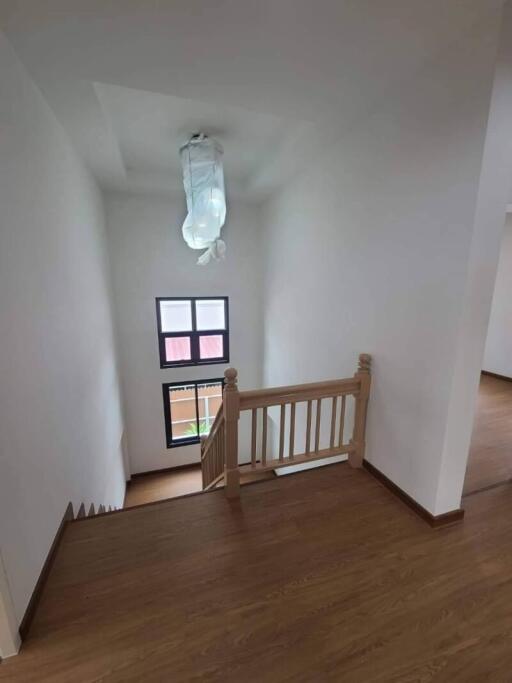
(192, 331)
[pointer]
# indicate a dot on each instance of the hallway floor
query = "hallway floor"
(490, 455)
(319, 576)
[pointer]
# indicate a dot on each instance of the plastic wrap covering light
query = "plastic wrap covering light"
(203, 179)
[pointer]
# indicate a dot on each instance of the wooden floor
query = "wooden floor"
(319, 576)
(179, 482)
(490, 456)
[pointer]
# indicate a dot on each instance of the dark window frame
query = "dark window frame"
(194, 334)
(178, 443)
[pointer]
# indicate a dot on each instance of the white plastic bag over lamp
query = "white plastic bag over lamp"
(203, 179)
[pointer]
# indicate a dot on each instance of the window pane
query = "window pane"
(211, 346)
(176, 316)
(209, 397)
(177, 349)
(210, 314)
(183, 411)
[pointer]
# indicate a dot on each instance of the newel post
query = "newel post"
(358, 440)
(231, 404)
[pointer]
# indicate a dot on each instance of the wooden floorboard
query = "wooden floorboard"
(490, 455)
(319, 576)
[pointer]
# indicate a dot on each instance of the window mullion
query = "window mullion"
(194, 339)
(194, 346)
(225, 345)
(194, 315)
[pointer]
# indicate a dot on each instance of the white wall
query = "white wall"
(498, 348)
(60, 411)
(149, 259)
(367, 251)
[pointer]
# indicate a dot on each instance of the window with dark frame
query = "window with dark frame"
(190, 409)
(192, 330)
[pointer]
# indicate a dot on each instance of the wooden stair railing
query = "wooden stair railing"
(219, 451)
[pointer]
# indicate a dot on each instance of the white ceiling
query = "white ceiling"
(149, 128)
(271, 79)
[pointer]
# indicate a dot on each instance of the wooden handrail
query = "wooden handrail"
(297, 393)
(219, 451)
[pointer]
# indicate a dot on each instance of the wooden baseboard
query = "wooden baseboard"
(43, 576)
(435, 521)
(496, 376)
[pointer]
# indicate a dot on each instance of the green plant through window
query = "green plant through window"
(204, 428)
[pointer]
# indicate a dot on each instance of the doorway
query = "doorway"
(490, 455)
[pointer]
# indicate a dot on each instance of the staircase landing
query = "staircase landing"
(152, 487)
(318, 576)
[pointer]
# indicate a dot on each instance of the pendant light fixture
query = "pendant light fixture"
(203, 180)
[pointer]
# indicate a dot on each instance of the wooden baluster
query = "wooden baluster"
(211, 461)
(264, 439)
(363, 374)
(308, 430)
(317, 426)
(212, 454)
(203, 464)
(222, 452)
(253, 437)
(231, 403)
(342, 420)
(219, 465)
(281, 432)
(333, 420)
(292, 431)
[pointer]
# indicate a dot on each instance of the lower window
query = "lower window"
(190, 409)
